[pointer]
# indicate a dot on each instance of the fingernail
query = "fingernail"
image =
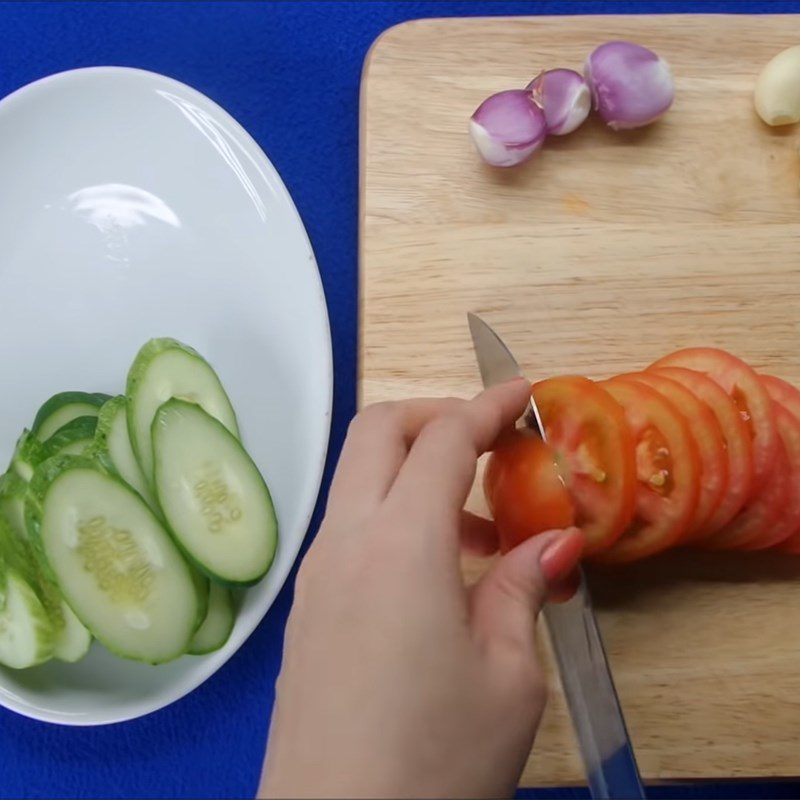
(565, 589)
(561, 557)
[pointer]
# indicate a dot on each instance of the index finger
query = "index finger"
(440, 469)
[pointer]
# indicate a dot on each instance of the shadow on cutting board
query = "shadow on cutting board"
(619, 586)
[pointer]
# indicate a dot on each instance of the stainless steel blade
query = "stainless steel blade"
(497, 364)
(605, 746)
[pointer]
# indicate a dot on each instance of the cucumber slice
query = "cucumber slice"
(26, 628)
(62, 408)
(212, 495)
(113, 448)
(165, 368)
(12, 502)
(217, 625)
(115, 563)
(26, 634)
(28, 454)
(113, 445)
(71, 439)
(71, 640)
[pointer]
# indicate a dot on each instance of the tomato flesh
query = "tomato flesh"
(524, 489)
(738, 444)
(787, 522)
(788, 398)
(750, 528)
(594, 450)
(707, 434)
(742, 383)
(782, 392)
(668, 472)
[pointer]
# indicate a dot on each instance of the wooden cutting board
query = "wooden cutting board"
(605, 252)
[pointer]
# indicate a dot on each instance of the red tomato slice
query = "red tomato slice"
(788, 397)
(738, 444)
(782, 392)
(586, 428)
(751, 526)
(707, 435)
(788, 521)
(742, 383)
(667, 471)
(524, 489)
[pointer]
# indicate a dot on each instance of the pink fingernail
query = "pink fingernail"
(562, 556)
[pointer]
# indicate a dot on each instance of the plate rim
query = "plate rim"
(212, 662)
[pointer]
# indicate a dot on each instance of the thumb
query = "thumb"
(506, 601)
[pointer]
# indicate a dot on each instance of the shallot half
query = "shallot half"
(508, 128)
(564, 96)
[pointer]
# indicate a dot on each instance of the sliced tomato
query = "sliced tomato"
(594, 451)
(741, 382)
(667, 472)
(707, 434)
(524, 489)
(788, 521)
(788, 397)
(738, 444)
(782, 392)
(751, 526)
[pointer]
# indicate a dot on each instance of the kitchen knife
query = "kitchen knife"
(603, 739)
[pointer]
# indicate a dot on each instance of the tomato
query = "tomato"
(586, 428)
(782, 392)
(738, 444)
(707, 435)
(788, 520)
(524, 489)
(750, 527)
(667, 472)
(788, 397)
(742, 383)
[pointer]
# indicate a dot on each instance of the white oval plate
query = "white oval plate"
(131, 207)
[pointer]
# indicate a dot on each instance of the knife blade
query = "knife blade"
(603, 740)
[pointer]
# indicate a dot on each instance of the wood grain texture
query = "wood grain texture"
(603, 253)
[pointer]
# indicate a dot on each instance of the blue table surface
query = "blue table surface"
(289, 72)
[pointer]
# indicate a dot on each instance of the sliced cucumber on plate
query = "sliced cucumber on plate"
(28, 454)
(12, 502)
(70, 439)
(213, 496)
(114, 561)
(62, 408)
(127, 518)
(26, 634)
(218, 622)
(163, 369)
(70, 639)
(113, 445)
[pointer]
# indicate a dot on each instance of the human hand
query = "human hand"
(397, 680)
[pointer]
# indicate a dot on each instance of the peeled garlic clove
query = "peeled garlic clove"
(777, 92)
(631, 85)
(508, 128)
(564, 96)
